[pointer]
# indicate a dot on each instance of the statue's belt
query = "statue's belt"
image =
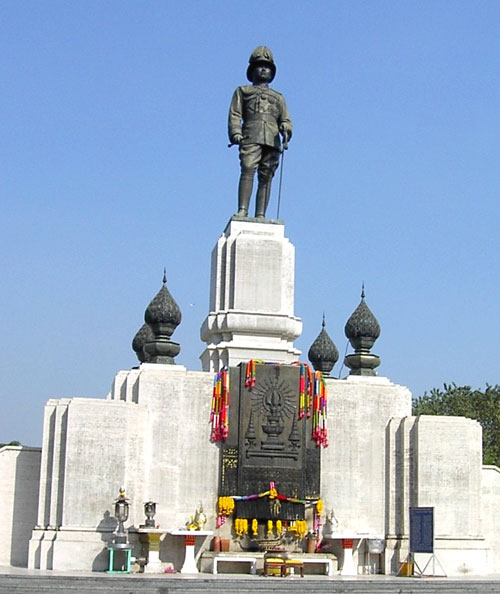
(261, 117)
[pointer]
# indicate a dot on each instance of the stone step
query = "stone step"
(100, 584)
(135, 584)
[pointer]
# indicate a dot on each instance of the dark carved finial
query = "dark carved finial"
(164, 275)
(144, 335)
(163, 316)
(362, 329)
(323, 353)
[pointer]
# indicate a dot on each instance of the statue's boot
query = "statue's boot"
(244, 192)
(263, 193)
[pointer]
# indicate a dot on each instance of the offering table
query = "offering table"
(348, 539)
(189, 536)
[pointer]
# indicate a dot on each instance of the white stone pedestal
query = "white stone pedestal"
(189, 565)
(348, 540)
(348, 565)
(251, 296)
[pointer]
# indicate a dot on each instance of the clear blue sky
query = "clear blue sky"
(114, 164)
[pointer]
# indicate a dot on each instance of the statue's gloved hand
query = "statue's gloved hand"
(236, 138)
(286, 133)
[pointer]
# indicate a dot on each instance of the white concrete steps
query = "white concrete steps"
(102, 583)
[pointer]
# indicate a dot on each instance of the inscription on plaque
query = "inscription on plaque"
(229, 471)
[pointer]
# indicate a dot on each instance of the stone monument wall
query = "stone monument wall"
(354, 465)
(490, 496)
(19, 481)
(436, 462)
(152, 436)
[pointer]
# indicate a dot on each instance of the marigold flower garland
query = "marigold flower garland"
(226, 506)
(317, 515)
(298, 527)
(241, 526)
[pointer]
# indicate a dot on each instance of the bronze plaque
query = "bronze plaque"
(270, 442)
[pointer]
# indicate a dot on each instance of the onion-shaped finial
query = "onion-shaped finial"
(144, 335)
(163, 315)
(323, 353)
(362, 329)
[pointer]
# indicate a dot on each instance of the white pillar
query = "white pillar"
(251, 297)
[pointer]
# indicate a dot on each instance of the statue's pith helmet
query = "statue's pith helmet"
(261, 55)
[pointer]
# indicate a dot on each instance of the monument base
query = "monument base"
(251, 297)
(69, 549)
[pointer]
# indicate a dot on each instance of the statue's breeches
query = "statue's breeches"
(258, 156)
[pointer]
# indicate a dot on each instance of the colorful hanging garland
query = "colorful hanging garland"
(219, 415)
(272, 493)
(250, 374)
(305, 389)
(312, 400)
(242, 526)
(226, 504)
(319, 430)
(317, 515)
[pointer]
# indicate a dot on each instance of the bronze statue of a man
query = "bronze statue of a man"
(257, 116)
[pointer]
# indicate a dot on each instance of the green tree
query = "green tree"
(13, 443)
(463, 401)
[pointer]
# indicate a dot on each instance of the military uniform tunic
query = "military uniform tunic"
(263, 112)
(258, 113)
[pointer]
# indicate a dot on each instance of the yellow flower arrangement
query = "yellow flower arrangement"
(301, 528)
(255, 527)
(319, 507)
(298, 528)
(241, 526)
(226, 506)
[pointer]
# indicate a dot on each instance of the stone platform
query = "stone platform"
(19, 581)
